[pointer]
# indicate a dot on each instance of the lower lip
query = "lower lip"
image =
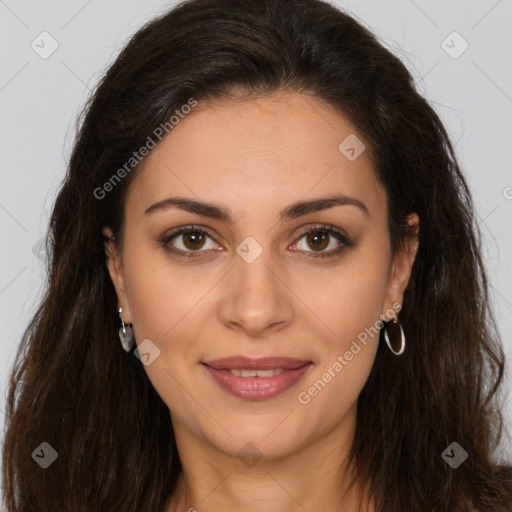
(257, 388)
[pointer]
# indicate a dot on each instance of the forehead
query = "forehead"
(273, 150)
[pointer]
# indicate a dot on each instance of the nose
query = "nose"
(257, 300)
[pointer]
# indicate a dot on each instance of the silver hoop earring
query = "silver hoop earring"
(402, 336)
(126, 334)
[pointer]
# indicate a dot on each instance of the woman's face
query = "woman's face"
(245, 282)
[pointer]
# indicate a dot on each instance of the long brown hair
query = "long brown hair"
(73, 387)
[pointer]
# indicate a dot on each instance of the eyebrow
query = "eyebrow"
(221, 213)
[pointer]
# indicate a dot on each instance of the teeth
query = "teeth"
(256, 373)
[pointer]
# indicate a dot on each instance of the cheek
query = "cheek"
(332, 393)
(159, 294)
(351, 310)
(348, 351)
(165, 302)
(353, 297)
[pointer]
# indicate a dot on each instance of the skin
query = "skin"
(256, 158)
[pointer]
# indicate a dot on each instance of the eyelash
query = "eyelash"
(328, 229)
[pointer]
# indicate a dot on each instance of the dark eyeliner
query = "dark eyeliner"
(331, 230)
(164, 242)
(328, 229)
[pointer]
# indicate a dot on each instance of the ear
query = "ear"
(401, 266)
(115, 270)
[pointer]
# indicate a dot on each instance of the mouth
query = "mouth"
(257, 379)
(260, 364)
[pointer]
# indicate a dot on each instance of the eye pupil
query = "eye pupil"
(194, 237)
(318, 239)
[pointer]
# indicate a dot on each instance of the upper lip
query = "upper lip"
(262, 363)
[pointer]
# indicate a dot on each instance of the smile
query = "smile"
(256, 373)
(257, 379)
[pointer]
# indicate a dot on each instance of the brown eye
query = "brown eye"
(188, 240)
(193, 240)
(318, 240)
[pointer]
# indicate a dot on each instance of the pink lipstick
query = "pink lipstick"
(257, 379)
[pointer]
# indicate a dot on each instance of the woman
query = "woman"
(266, 288)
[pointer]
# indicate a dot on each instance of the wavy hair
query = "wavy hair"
(73, 386)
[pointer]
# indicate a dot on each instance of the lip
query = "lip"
(262, 363)
(257, 388)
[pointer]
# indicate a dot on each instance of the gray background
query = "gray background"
(40, 98)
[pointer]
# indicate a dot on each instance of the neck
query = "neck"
(313, 478)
